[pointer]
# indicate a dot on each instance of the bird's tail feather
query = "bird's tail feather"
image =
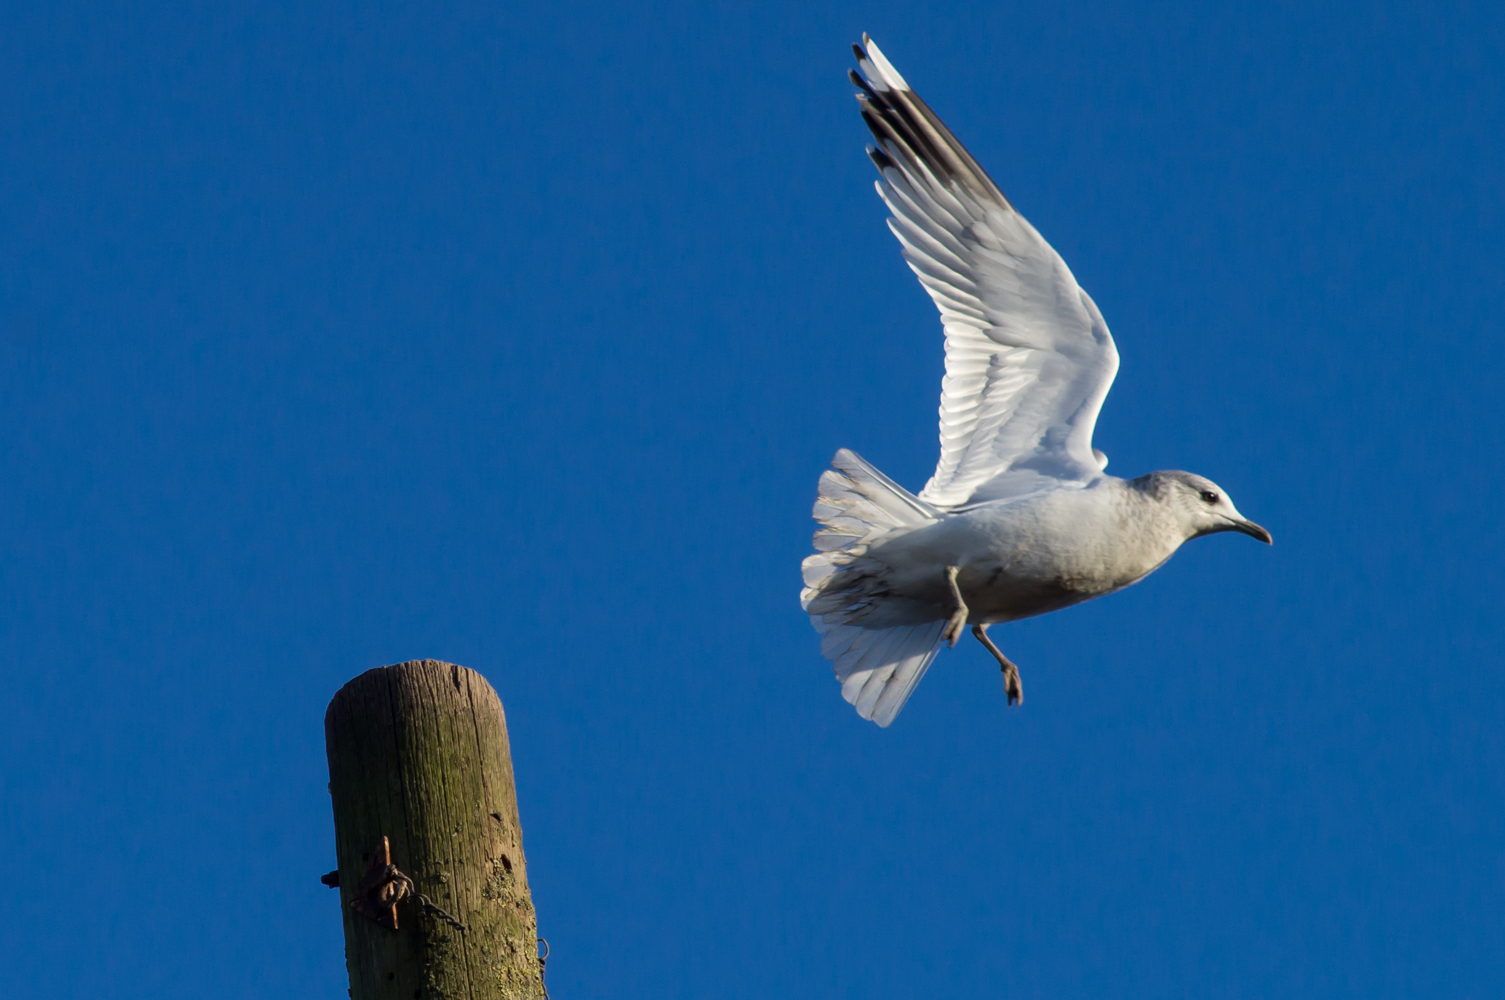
(855, 505)
(878, 667)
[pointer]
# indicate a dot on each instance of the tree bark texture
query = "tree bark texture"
(418, 754)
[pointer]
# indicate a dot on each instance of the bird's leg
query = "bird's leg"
(1011, 682)
(959, 616)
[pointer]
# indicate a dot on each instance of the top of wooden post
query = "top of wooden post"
(418, 754)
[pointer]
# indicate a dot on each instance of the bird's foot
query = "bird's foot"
(959, 616)
(1013, 686)
(954, 627)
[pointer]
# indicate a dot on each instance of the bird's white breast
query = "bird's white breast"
(1034, 554)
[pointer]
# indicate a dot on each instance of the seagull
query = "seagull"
(1019, 518)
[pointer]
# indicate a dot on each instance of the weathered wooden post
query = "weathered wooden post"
(418, 755)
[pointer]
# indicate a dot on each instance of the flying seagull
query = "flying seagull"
(1019, 518)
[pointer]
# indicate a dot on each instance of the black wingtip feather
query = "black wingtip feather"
(858, 81)
(901, 118)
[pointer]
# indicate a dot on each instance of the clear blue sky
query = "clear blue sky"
(517, 336)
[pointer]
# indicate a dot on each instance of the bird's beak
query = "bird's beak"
(1253, 531)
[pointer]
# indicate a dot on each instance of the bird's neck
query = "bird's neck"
(1152, 523)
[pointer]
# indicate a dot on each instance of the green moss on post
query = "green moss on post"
(418, 753)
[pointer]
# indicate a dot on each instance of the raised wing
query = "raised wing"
(1028, 357)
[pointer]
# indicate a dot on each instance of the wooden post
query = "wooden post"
(418, 754)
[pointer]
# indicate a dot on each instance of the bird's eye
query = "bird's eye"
(1209, 496)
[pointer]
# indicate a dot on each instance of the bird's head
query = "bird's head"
(1200, 505)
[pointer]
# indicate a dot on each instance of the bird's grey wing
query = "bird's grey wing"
(1028, 357)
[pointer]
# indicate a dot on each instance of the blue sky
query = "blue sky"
(517, 336)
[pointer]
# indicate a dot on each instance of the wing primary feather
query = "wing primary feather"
(903, 108)
(888, 127)
(858, 81)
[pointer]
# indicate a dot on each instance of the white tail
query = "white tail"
(878, 667)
